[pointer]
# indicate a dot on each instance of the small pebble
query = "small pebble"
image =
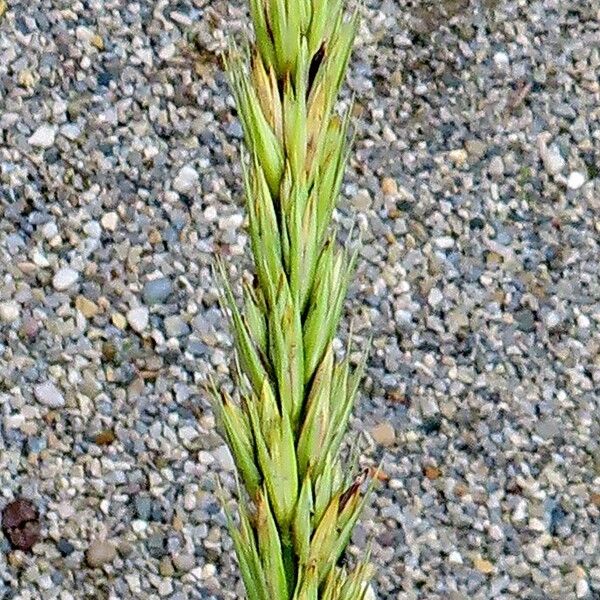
(389, 187)
(65, 547)
(110, 221)
(231, 222)
(138, 318)
(157, 291)
(553, 160)
(582, 588)
(49, 395)
(384, 434)
(64, 279)
(88, 308)
(223, 456)
(484, 566)
(43, 137)
(534, 552)
(459, 157)
(435, 297)
(166, 567)
(496, 167)
(501, 60)
(575, 180)
(186, 180)
(99, 553)
(184, 562)
(370, 593)
(9, 312)
(175, 326)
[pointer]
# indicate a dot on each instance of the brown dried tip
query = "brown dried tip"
(315, 65)
(353, 489)
(378, 474)
(21, 524)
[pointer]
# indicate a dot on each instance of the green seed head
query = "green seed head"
(286, 431)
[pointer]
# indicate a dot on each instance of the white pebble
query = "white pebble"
(138, 318)
(583, 322)
(537, 525)
(435, 297)
(133, 581)
(552, 319)
(575, 180)
(9, 311)
(110, 221)
(85, 34)
(70, 131)
(188, 433)
(231, 222)
(534, 552)
(403, 317)
(40, 260)
(45, 582)
(43, 136)
(167, 52)
(50, 230)
(205, 458)
(186, 180)
(210, 213)
(520, 511)
(13, 421)
(582, 588)
(501, 60)
(165, 588)
(223, 456)
(444, 242)
(208, 570)
(65, 509)
(49, 395)
(496, 168)
(64, 279)
(370, 593)
(184, 562)
(92, 228)
(554, 163)
(139, 526)
(459, 156)
(189, 502)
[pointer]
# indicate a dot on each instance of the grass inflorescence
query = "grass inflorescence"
(295, 398)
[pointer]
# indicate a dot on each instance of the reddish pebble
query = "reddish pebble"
(21, 524)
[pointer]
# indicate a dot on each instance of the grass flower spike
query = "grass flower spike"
(296, 398)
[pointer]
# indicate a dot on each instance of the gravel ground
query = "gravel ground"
(476, 183)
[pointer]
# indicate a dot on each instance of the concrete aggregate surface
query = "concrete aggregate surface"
(475, 182)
